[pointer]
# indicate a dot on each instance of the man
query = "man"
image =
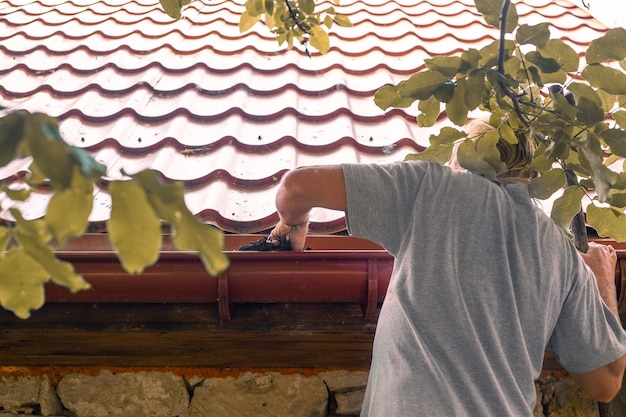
(483, 283)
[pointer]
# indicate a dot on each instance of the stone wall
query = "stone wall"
(107, 393)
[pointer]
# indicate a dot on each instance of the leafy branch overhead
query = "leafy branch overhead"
(139, 205)
(290, 21)
(574, 110)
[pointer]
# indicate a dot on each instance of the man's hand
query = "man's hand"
(601, 259)
(295, 234)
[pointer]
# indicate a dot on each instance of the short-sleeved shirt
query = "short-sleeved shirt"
(483, 282)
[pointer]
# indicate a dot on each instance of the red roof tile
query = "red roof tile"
(225, 112)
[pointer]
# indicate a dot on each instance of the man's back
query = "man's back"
(479, 282)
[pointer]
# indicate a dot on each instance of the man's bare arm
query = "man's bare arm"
(603, 383)
(302, 189)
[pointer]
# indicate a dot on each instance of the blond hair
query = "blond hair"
(516, 156)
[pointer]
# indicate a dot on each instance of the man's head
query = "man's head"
(516, 156)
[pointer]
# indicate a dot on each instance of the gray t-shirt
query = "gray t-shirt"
(483, 283)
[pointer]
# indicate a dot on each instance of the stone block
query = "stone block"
(260, 395)
(28, 394)
(16, 391)
(349, 403)
(136, 394)
(348, 388)
(340, 380)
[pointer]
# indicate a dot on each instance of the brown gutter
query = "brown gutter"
(339, 269)
(356, 275)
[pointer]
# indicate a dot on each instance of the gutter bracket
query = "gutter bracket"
(369, 308)
(223, 303)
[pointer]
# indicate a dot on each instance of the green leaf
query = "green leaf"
(172, 8)
(603, 177)
(447, 65)
(389, 96)
(470, 159)
(16, 195)
(471, 58)
(475, 89)
(440, 149)
(537, 35)
(547, 184)
(447, 135)
(492, 9)
(580, 90)
(564, 54)
(608, 100)
(444, 92)
(51, 154)
(422, 85)
(21, 283)
(610, 46)
(546, 65)
(456, 110)
(620, 182)
(567, 206)
(489, 54)
(69, 209)
(588, 112)
(607, 222)
(620, 117)
(429, 111)
(192, 235)
(254, 7)
(437, 153)
(307, 6)
(319, 39)
(608, 79)
(11, 132)
(34, 236)
(488, 151)
(563, 107)
(89, 166)
(343, 20)
(134, 228)
(541, 163)
(616, 139)
(167, 200)
(505, 131)
(512, 65)
(559, 144)
(5, 235)
(246, 21)
(328, 21)
(618, 200)
(558, 77)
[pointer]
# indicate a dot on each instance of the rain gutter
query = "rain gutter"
(340, 269)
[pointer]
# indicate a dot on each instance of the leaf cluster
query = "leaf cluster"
(294, 21)
(533, 86)
(290, 21)
(139, 205)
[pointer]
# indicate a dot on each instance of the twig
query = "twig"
(503, 14)
(579, 230)
(294, 17)
(505, 88)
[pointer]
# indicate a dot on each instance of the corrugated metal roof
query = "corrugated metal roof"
(225, 112)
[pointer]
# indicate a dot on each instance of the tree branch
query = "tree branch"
(294, 17)
(505, 88)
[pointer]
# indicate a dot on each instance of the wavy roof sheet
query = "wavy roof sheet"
(225, 112)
